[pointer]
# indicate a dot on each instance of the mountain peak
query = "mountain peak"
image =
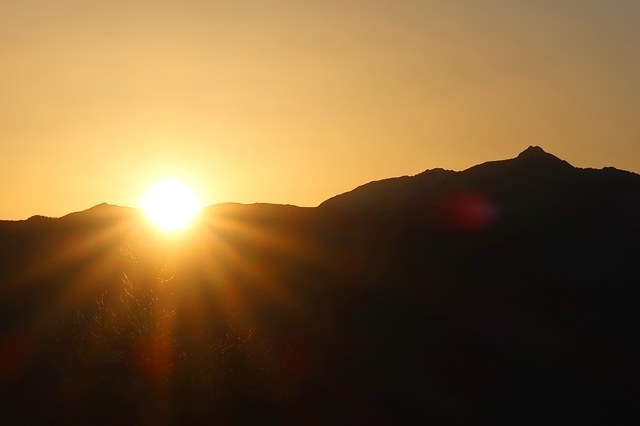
(538, 156)
(534, 152)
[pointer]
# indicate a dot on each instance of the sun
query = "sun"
(170, 205)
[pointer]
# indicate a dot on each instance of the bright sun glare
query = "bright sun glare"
(170, 205)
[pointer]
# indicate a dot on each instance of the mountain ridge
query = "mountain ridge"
(532, 166)
(505, 293)
(534, 158)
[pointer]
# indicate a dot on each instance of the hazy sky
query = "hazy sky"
(295, 101)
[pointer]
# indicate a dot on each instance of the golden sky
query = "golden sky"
(296, 101)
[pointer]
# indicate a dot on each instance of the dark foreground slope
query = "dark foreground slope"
(503, 294)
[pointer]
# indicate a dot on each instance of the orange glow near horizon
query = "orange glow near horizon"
(295, 102)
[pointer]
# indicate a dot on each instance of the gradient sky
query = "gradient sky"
(296, 101)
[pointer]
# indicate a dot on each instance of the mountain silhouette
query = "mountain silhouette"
(532, 166)
(505, 293)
